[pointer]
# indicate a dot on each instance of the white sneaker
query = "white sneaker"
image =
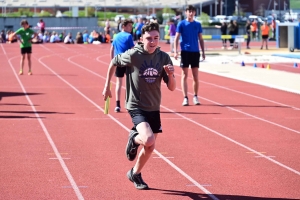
(196, 101)
(117, 109)
(185, 102)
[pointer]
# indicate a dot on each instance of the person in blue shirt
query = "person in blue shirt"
(85, 37)
(121, 43)
(190, 33)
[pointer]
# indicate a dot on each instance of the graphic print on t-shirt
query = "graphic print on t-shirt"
(150, 72)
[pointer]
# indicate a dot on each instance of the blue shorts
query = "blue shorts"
(151, 117)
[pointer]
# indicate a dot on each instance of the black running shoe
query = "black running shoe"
(131, 148)
(137, 180)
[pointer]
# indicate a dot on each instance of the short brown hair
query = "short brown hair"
(24, 21)
(191, 8)
(150, 27)
(127, 21)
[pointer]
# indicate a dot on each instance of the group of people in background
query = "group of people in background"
(252, 28)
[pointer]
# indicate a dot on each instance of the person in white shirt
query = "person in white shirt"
(68, 39)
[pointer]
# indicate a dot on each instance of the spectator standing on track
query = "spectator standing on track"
(223, 29)
(248, 32)
(41, 24)
(265, 29)
(236, 32)
(146, 67)
(172, 33)
(121, 43)
(273, 26)
(190, 32)
(254, 29)
(26, 35)
(232, 29)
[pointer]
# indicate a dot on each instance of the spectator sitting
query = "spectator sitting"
(68, 39)
(91, 39)
(95, 36)
(85, 37)
(2, 37)
(62, 36)
(101, 37)
(46, 37)
(37, 40)
(54, 38)
(40, 36)
(13, 39)
(79, 38)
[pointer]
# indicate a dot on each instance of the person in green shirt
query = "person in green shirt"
(25, 37)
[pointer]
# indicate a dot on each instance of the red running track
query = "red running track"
(241, 143)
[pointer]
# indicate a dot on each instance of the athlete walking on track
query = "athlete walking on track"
(190, 33)
(146, 66)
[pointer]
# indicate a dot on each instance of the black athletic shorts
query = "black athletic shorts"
(265, 36)
(190, 58)
(120, 72)
(152, 117)
(26, 50)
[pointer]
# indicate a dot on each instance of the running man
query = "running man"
(121, 43)
(26, 36)
(190, 32)
(146, 66)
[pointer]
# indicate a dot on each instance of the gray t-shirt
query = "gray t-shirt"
(143, 77)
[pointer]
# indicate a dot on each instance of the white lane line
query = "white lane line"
(4, 51)
(250, 95)
(123, 126)
(253, 116)
(51, 142)
(235, 142)
(266, 156)
(246, 147)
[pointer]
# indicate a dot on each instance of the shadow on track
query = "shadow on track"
(14, 94)
(32, 112)
(199, 196)
(18, 117)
